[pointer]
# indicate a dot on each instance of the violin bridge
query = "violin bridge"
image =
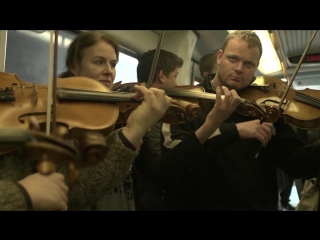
(23, 88)
(281, 90)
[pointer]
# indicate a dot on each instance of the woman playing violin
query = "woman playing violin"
(95, 54)
(232, 176)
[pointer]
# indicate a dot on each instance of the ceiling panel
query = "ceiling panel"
(209, 41)
(294, 42)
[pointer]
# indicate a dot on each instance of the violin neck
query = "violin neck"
(86, 95)
(174, 92)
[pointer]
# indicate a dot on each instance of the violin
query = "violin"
(301, 108)
(76, 97)
(92, 146)
(116, 85)
(196, 97)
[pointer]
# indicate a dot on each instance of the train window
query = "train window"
(126, 69)
(196, 77)
(27, 53)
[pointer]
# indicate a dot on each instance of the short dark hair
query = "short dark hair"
(207, 62)
(167, 62)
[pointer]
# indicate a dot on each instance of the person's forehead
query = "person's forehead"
(240, 48)
(175, 71)
(101, 48)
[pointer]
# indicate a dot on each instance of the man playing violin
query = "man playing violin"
(243, 179)
(208, 68)
(232, 176)
(94, 54)
(153, 172)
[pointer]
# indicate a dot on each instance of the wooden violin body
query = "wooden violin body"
(21, 100)
(82, 104)
(301, 108)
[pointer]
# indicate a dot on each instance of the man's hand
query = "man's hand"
(47, 192)
(223, 108)
(150, 111)
(220, 112)
(253, 129)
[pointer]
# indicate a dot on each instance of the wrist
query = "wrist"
(206, 131)
(133, 137)
(26, 195)
(211, 126)
(240, 130)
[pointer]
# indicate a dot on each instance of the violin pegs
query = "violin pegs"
(46, 166)
(33, 124)
(93, 148)
(60, 132)
(73, 174)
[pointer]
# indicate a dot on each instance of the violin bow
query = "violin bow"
(49, 101)
(52, 83)
(54, 80)
(297, 69)
(155, 59)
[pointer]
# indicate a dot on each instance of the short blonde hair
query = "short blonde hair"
(247, 35)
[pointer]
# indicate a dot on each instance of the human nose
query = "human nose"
(239, 67)
(107, 68)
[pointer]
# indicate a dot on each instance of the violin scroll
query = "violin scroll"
(273, 113)
(91, 144)
(51, 151)
(259, 111)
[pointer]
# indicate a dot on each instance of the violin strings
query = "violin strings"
(65, 93)
(189, 93)
(306, 98)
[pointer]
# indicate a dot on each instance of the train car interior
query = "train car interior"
(26, 52)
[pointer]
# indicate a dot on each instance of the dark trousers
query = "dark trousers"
(285, 193)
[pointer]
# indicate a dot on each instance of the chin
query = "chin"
(236, 85)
